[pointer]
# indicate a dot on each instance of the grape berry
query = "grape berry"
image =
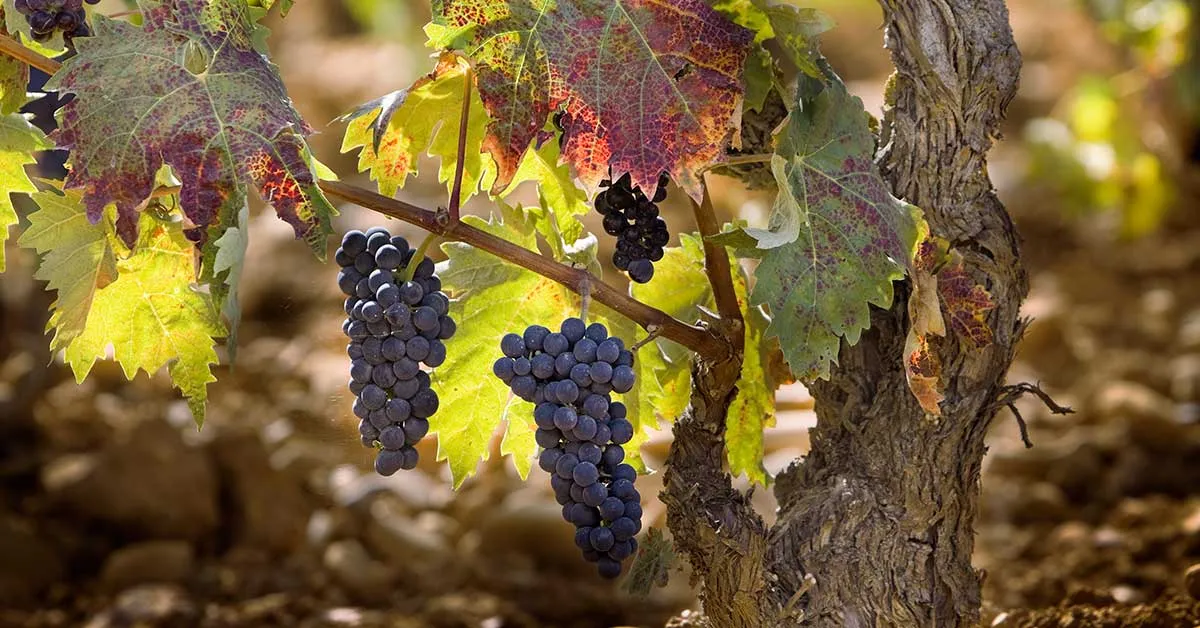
(47, 16)
(633, 219)
(394, 326)
(569, 376)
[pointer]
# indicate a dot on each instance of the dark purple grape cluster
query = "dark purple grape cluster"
(633, 219)
(47, 16)
(570, 376)
(394, 326)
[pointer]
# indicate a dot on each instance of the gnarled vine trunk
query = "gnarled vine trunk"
(881, 513)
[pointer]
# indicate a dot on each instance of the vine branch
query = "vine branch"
(695, 338)
(14, 49)
(716, 261)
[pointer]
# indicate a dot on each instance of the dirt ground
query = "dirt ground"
(115, 511)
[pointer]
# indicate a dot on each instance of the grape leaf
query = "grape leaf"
(557, 195)
(922, 364)
(139, 302)
(680, 288)
(188, 90)
(394, 130)
(838, 237)
(77, 261)
(228, 262)
(796, 31)
(967, 303)
(646, 85)
(14, 77)
(18, 140)
(652, 566)
(491, 298)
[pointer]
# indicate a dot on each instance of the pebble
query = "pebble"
(155, 604)
(147, 482)
(362, 576)
(28, 562)
(394, 536)
(1191, 581)
(148, 562)
(270, 508)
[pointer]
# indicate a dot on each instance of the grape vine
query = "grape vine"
(146, 129)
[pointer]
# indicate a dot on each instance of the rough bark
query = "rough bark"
(881, 512)
(715, 525)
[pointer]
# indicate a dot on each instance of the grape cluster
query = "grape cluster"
(633, 218)
(394, 326)
(569, 375)
(47, 16)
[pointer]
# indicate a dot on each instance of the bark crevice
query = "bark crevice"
(882, 511)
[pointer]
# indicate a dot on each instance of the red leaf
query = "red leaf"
(647, 86)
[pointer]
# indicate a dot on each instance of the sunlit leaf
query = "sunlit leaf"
(188, 90)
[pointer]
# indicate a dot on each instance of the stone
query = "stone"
(364, 578)
(147, 481)
(1191, 581)
(396, 537)
(148, 562)
(154, 604)
(270, 508)
(28, 562)
(417, 490)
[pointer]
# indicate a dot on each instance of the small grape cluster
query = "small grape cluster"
(395, 326)
(47, 16)
(633, 219)
(569, 375)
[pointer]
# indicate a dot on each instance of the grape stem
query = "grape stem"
(419, 255)
(698, 339)
(456, 191)
(737, 160)
(716, 264)
(585, 293)
(654, 331)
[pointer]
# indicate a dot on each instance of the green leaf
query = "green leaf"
(561, 202)
(228, 264)
(680, 288)
(491, 298)
(391, 132)
(14, 76)
(753, 408)
(652, 566)
(18, 140)
(646, 86)
(143, 304)
(797, 31)
(189, 91)
(758, 74)
(77, 260)
(838, 237)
